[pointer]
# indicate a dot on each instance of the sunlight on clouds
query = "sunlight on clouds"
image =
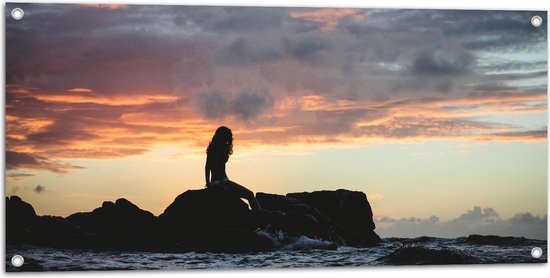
(79, 90)
(132, 129)
(115, 100)
(328, 18)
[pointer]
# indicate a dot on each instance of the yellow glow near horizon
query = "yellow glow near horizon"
(402, 180)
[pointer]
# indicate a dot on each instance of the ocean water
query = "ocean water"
(301, 252)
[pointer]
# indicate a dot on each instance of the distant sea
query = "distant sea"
(302, 252)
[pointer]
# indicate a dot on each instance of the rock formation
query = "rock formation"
(205, 220)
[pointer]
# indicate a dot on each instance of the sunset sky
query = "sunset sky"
(440, 117)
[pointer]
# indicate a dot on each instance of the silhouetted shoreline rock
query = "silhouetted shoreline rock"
(205, 220)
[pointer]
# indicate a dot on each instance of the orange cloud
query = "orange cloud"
(407, 120)
(114, 100)
(328, 18)
(79, 90)
(46, 128)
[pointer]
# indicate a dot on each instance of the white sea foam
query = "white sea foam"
(306, 243)
(285, 242)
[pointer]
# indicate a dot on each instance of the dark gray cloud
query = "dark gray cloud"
(443, 62)
(62, 132)
(17, 160)
(239, 19)
(485, 221)
(124, 43)
(244, 52)
(39, 189)
(250, 104)
(307, 48)
(333, 123)
(497, 30)
(213, 104)
(246, 105)
(88, 47)
(474, 30)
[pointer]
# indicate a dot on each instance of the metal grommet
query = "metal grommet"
(17, 260)
(17, 13)
(536, 252)
(536, 21)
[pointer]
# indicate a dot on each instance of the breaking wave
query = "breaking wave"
(285, 242)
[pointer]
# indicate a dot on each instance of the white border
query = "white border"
(402, 271)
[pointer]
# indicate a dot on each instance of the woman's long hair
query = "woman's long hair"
(222, 141)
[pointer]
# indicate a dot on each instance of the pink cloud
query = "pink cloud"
(79, 90)
(328, 18)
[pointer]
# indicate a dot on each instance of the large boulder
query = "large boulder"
(350, 209)
(295, 218)
(210, 220)
(339, 216)
(205, 209)
(20, 218)
(19, 213)
(117, 225)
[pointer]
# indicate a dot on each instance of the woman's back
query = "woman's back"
(215, 160)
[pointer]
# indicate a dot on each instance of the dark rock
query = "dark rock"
(19, 213)
(273, 201)
(119, 225)
(327, 215)
(290, 216)
(58, 231)
(206, 220)
(210, 220)
(205, 209)
(121, 215)
(20, 218)
(350, 209)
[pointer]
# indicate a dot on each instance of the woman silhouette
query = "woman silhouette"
(217, 154)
